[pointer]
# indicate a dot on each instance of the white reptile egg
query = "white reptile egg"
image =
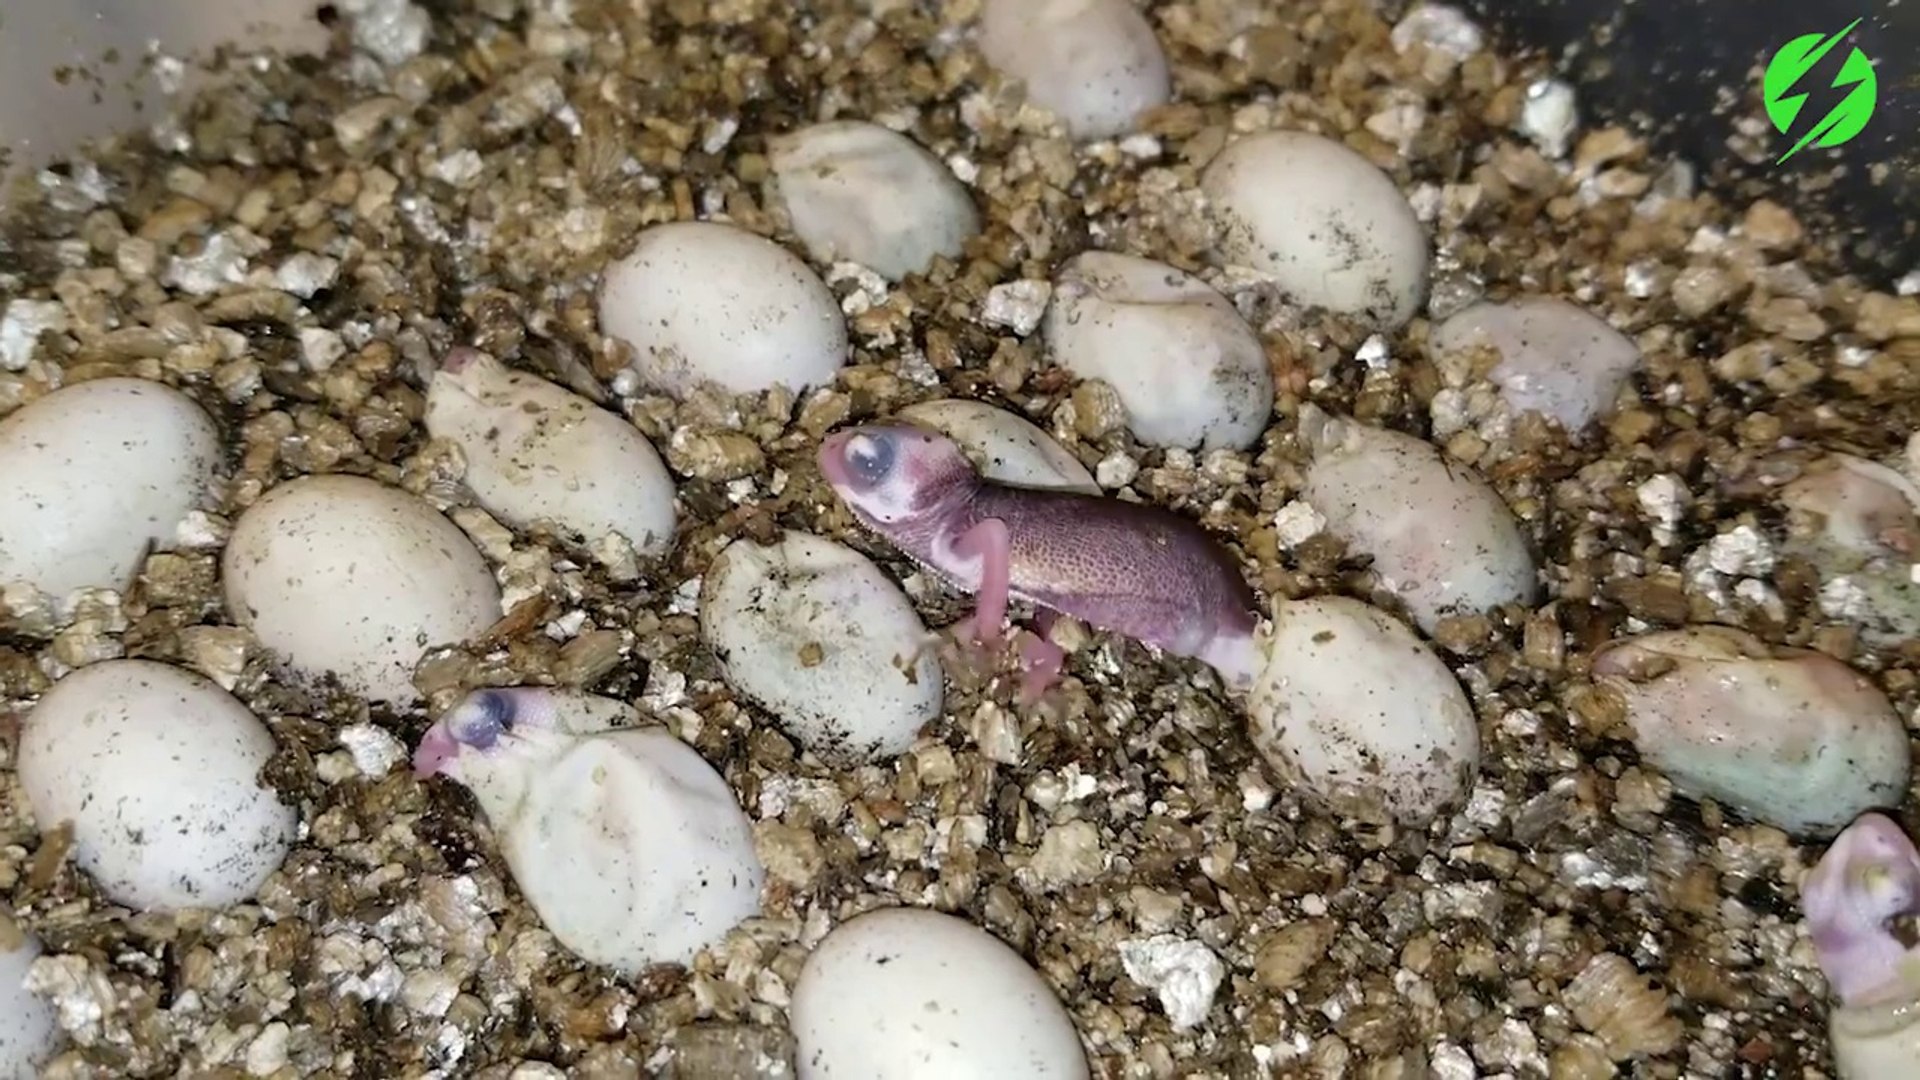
(1006, 446)
(1351, 704)
(536, 452)
(29, 1030)
(626, 842)
(1323, 222)
(816, 634)
(1556, 358)
(158, 770)
(704, 302)
(1441, 539)
(907, 992)
(94, 473)
(347, 576)
(858, 192)
(1095, 64)
(1188, 369)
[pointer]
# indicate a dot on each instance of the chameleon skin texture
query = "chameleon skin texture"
(1142, 571)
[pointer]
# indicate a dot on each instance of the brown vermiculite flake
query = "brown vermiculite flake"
(304, 245)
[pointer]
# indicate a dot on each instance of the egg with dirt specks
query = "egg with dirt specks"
(158, 770)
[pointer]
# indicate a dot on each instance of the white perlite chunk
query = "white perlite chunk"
(21, 327)
(538, 453)
(1009, 448)
(819, 636)
(624, 839)
(1438, 26)
(858, 192)
(1549, 117)
(375, 751)
(700, 301)
(1556, 358)
(1188, 369)
(1095, 64)
(94, 473)
(347, 576)
(395, 31)
(906, 992)
(158, 770)
(1353, 705)
(1185, 974)
(1017, 305)
(1323, 222)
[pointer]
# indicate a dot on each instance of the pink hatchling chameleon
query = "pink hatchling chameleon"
(1141, 571)
(1860, 901)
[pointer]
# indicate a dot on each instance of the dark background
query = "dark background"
(1686, 70)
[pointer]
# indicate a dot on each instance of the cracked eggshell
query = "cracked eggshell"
(1323, 222)
(816, 634)
(1352, 704)
(94, 472)
(1441, 539)
(29, 1026)
(858, 192)
(1789, 737)
(1188, 369)
(536, 452)
(1858, 523)
(1005, 446)
(629, 845)
(347, 576)
(1095, 64)
(1875, 1042)
(902, 992)
(1556, 358)
(158, 769)
(699, 301)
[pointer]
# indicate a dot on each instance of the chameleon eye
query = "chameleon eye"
(871, 457)
(483, 719)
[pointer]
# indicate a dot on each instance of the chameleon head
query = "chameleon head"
(891, 473)
(1861, 900)
(486, 722)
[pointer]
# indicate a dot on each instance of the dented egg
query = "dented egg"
(1004, 445)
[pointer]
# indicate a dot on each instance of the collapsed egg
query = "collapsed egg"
(1005, 446)
(95, 472)
(346, 576)
(1556, 358)
(699, 301)
(1095, 64)
(858, 192)
(904, 992)
(1441, 539)
(29, 1031)
(1790, 737)
(536, 452)
(816, 634)
(158, 770)
(1349, 702)
(1323, 222)
(629, 846)
(1188, 369)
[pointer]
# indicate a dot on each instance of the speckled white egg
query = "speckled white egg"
(1350, 703)
(858, 192)
(1189, 370)
(1556, 358)
(94, 472)
(536, 452)
(628, 844)
(29, 1031)
(815, 633)
(1323, 222)
(1004, 445)
(907, 992)
(346, 576)
(158, 770)
(1095, 64)
(699, 301)
(1441, 538)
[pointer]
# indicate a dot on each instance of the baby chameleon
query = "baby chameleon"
(1141, 571)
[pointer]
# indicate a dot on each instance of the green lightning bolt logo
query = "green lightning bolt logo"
(1848, 115)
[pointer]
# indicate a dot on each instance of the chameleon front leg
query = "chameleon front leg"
(987, 541)
(1041, 660)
